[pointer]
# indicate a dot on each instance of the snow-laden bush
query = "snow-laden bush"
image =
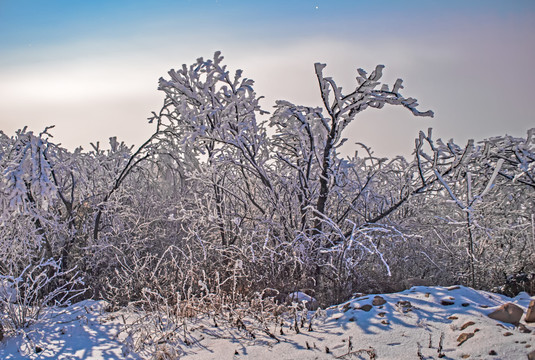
(25, 296)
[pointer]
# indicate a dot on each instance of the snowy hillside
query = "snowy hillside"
(420, 323)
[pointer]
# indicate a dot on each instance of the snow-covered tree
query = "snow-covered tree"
(221, 204)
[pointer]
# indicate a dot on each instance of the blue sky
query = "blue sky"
(91, 67)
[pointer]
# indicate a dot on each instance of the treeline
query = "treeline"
(220, 204)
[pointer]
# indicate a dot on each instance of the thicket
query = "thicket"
(220, 206)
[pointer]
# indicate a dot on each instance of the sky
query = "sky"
(91, 68)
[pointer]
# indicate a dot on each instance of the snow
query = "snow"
(79, 331)
(301, 297)
(416, 323)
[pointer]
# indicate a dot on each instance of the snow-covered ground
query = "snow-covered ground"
(76, 332)
(419, 323)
